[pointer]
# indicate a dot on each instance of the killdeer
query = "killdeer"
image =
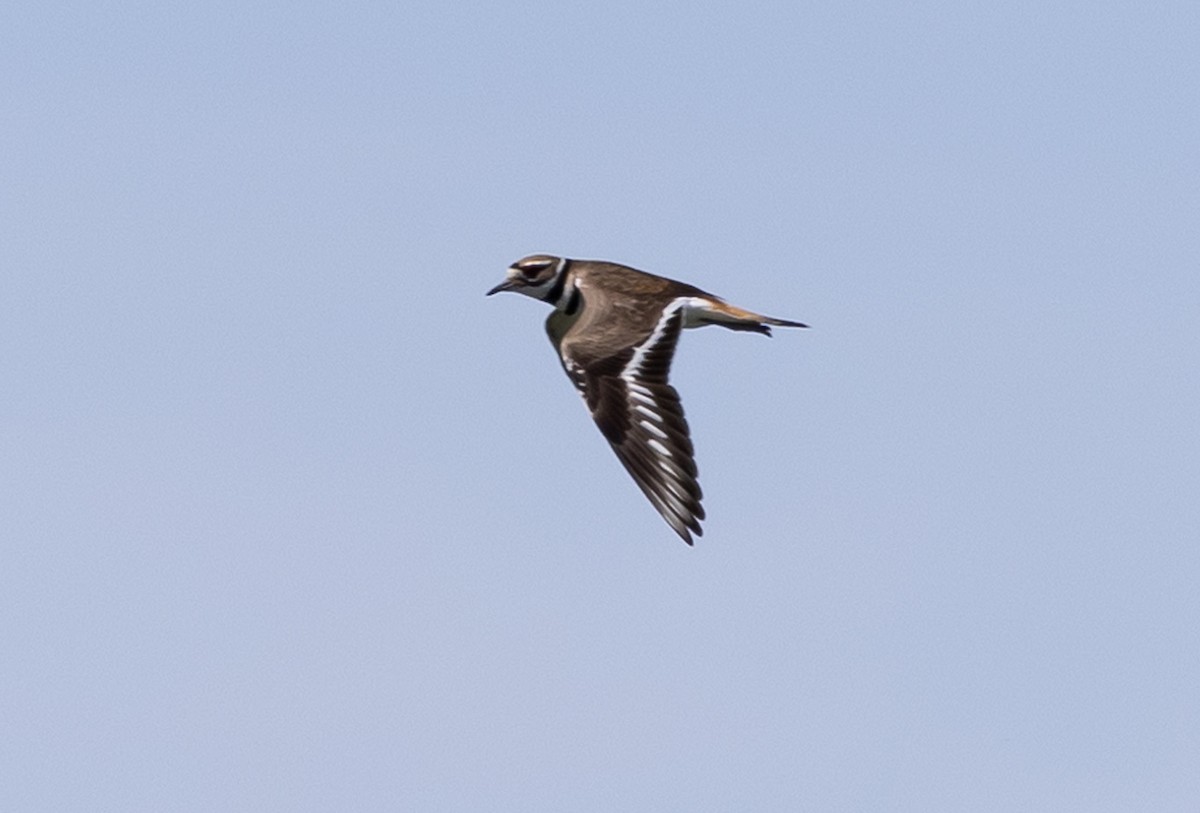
(615, 329)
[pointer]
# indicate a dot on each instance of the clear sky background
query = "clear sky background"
(293, 518)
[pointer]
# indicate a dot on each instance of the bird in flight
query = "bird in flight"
(615, 329)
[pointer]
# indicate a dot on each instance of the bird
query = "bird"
(615, 329)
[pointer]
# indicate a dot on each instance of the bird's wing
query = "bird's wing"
(640, 415)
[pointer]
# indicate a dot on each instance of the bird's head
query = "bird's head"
(533, 276)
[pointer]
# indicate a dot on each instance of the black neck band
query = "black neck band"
(572, 301)
(555, 293)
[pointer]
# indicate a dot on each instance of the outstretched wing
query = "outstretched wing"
(640, 415)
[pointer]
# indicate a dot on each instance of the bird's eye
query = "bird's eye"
(530, 273)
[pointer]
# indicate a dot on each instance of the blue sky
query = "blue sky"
(293, 518)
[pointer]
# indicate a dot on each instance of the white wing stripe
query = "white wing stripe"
(652, 429)
(649, 413)
(634, 368)
(658, 447)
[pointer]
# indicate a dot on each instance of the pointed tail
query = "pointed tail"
(735, 318)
